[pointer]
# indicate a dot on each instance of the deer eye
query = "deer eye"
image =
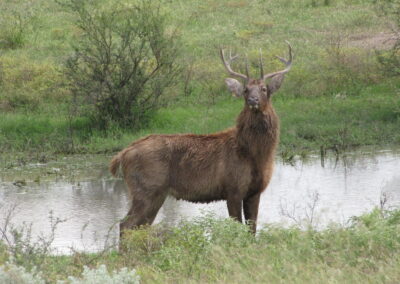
(246, 90)
(264, 89)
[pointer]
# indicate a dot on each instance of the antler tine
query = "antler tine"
(228, 66)
(230, 56)
(288, 64)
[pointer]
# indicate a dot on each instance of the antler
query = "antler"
(288, 64)
(227, 65)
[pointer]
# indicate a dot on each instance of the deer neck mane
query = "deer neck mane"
(257, 132)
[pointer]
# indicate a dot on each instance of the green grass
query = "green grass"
(209, 250)
(340, 122)
(335, 95)
(372, 118)
(306, 124)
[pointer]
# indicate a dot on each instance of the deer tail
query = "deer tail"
(115, 164)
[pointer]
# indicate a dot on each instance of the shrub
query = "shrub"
(123, 62)
(13, 274)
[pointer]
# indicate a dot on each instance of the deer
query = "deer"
(235, 164)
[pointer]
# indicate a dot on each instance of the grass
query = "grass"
(334, 96)
(209, 250)
(342, 122)
(332, 122)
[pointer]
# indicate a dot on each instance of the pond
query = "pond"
(89, 202)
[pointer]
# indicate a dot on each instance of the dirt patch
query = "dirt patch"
(382, 40)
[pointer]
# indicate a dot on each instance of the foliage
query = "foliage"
(27, 85)
(307, 123)
(123, 62)
(13, 274)
(186, 248)
(15, 17)
(390, 60)
(326, 99)
(10, 273)
(22, 248)
(211, 250)
(101, 276)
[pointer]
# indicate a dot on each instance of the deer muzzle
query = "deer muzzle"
(253, 102)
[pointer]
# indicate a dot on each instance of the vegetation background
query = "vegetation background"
(338, 94)
(343, 91)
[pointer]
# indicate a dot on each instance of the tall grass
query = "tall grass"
(210, 250)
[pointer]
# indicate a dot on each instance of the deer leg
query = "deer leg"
(142, 212)
(235, 208)
(250, 208)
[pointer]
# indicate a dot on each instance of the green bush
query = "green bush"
(123, 61)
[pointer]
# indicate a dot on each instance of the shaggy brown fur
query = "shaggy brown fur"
(234, 165)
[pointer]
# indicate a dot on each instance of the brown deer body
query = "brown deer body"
(234, 165)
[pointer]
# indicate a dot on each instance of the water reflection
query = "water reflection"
(92, 203)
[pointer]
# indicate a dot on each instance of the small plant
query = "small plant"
(13, 274)
(101, 276)
(308, 218)
(22, 247)
(10, 273)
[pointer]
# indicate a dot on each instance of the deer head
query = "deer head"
(255, 92)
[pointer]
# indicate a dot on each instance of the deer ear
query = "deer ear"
(275, 84)
(234, 86)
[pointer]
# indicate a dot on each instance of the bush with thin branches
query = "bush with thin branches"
(123, 62)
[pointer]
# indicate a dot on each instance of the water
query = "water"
(90, 203)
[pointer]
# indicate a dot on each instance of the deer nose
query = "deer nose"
(252, 101)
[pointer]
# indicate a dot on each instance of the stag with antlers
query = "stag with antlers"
(235, 165)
